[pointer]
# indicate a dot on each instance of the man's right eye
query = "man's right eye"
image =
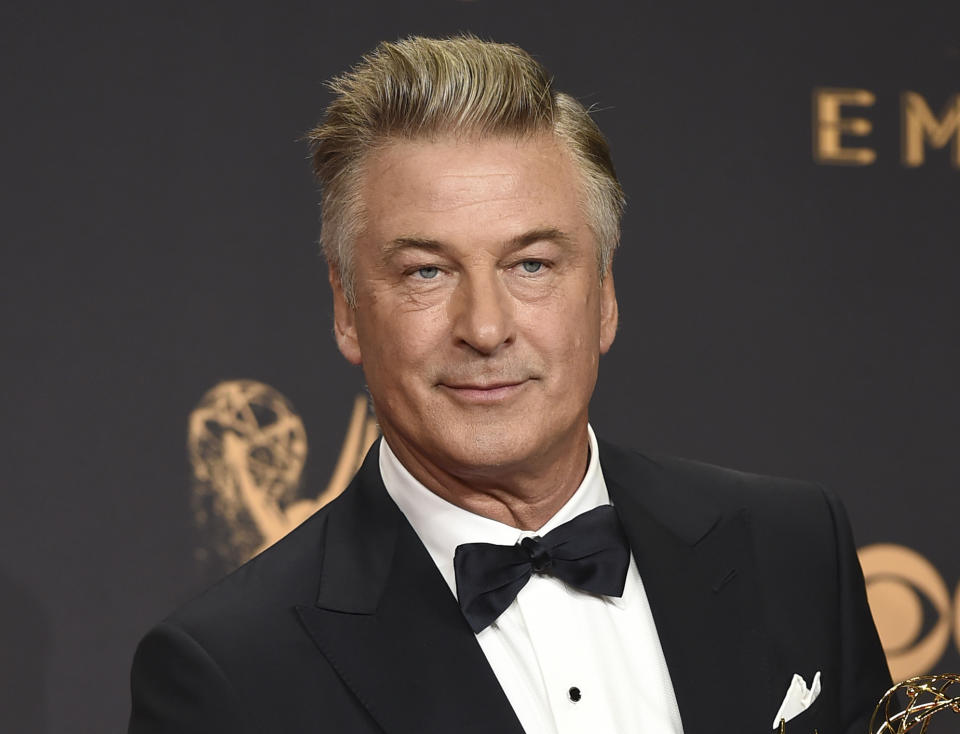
(428, 272)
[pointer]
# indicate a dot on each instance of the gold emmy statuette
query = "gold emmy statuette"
(926, 696)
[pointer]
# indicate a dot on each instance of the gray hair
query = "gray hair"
(423, 87)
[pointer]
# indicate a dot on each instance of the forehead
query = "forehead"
(488, 186)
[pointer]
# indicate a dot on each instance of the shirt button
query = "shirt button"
(574, 694)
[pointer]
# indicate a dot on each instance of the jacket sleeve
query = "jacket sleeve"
(177, 688)
(864, 675)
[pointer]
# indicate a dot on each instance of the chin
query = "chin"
(483, 449)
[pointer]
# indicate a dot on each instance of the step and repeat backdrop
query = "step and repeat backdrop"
(172, 398)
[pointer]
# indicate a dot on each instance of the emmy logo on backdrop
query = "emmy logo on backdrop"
(248, 448)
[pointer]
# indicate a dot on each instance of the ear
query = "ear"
(344, 321)
(609, 313)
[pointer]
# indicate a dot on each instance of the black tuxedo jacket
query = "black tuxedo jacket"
(346, 625)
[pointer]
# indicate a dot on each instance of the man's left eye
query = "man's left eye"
(428, 272)
(531, 266)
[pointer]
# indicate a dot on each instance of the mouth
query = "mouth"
(484, 392)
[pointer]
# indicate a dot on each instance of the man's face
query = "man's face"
(480, 314)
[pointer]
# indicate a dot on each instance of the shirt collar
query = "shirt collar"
(442, 526)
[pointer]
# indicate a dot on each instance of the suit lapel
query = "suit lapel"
(389, 626)
(698, 570)
(387, 623)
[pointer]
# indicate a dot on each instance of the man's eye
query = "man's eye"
(531, 266)
(428, 272)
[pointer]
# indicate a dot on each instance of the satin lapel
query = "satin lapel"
(698, 570)
(390, 627)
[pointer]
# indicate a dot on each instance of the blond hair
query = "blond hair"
(425, 87)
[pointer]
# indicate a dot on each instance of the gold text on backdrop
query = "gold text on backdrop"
(829, 126)
(920, 127)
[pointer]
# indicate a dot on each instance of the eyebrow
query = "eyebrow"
(551, 234)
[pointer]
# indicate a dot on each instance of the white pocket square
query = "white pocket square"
(798, 698)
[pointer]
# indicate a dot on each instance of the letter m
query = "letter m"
(920, 126)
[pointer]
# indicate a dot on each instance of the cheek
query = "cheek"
(567, 340)
(398, 343)
(575, 336)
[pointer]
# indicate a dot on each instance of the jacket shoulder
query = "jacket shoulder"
(280, 577)
(685, 483)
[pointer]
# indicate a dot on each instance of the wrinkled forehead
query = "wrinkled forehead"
(452, 174)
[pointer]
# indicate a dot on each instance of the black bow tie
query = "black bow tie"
(590, 552)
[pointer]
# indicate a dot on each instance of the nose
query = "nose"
(482, 313)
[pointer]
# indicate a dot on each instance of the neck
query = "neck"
(524, 498)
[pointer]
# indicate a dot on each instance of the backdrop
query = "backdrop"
(172, 397)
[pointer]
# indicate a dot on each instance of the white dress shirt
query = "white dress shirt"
(568, 661)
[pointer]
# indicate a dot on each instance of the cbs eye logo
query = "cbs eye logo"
(905, 591)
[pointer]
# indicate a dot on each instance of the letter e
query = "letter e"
(829, 126)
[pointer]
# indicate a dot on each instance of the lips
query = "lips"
(484, 392)
(483, 385)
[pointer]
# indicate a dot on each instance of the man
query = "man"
(474, 577)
